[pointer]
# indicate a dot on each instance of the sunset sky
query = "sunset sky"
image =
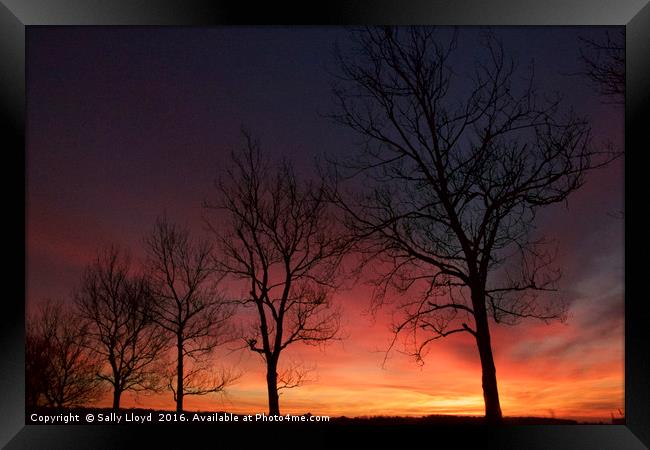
(126, 123)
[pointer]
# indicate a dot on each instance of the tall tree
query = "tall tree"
(116, 305)
(452, 172)
(60, 371)
(278, 236)
(188, 306)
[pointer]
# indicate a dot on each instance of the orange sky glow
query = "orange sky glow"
(565, 370)
(538, 375)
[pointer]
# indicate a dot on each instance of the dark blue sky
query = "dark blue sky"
(123, 123)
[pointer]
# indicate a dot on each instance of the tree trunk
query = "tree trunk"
(179, 375)
(116, 399)
(490, 390)
(272, 386)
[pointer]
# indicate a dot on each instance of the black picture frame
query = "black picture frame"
(16, 15)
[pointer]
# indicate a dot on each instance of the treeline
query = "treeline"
(156, 328)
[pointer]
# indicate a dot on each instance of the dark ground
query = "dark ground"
(399, 433)
(369, 421)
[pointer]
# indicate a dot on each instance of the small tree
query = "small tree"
(117, 305)
(281, 240)
(454, 172)
(188, 306)
(61, 372)
(36, 363)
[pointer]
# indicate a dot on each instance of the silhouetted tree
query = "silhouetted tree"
(604, 64)
(61, 371)
(188, 306)
(117, 306)
(278, 236)
(453, 171)
(36, 363)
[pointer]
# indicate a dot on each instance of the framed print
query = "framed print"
(314, 224)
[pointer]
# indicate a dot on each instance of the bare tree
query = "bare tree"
(188, 306)
(121, 331)
(61, 372)
(604, 64)
(452, 172)
(281, 240)
(36, 362)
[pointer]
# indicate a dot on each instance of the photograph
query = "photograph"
(349, 225)
(276, 225)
